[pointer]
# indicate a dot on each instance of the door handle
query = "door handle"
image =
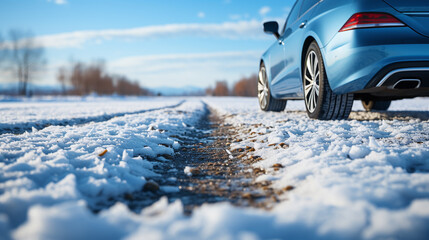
(302, 25)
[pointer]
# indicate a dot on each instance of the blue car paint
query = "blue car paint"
(291, 60)
(405, 6)
(352, 61)
(351, 58)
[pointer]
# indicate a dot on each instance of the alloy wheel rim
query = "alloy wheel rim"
(263, 88)
(311, 81)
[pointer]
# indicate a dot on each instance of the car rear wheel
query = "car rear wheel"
(320, 101)
(266, 101)
(373, 105)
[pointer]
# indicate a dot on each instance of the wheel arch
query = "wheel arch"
(312, 38)
(305, 47)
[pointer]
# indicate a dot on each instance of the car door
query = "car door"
(277, 55)
(289, 84)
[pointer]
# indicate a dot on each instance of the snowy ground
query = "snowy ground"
(19, 115)
(354, 179)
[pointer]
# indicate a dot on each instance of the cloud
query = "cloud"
(236, 17)
(59, 2)
(264, 10)
(201, 15)
(197, 69)
(286, 11)
(142, 60)
(231, 30)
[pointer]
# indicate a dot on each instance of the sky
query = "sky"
(172, 43)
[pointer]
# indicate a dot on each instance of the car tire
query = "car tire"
(320, 101)
(266, 101)
(376, 105)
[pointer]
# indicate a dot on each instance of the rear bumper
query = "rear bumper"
(398, 80)
(359, 60)
(390, 75)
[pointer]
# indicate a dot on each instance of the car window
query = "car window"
(307, 4)
(293, 15)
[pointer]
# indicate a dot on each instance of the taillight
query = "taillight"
(371, 20)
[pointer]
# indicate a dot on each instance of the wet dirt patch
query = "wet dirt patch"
(204, 170)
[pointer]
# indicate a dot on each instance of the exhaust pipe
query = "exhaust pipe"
(407, 84)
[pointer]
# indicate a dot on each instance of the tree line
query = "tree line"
(21, 55)
(90, 78)
(246, 87)
(24, 58)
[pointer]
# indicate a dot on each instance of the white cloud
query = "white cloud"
(59, 2)
(198, 69)
(236, 17)
(231, 30)
(201, 15)
(286, 11)
(142, 60)
(264, 10)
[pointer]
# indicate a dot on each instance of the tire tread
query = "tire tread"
(276, 105)
(334, 106)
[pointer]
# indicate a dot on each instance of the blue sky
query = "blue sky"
(159, 43)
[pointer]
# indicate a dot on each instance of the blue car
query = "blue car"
(331, 52)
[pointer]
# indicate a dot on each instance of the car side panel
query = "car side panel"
(289, 84)
(277, 61)
(285, 85)
(329, 17)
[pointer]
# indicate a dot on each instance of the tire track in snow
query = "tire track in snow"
(27, 127)
(204, 170)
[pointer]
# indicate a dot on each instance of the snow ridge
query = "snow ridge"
(21, 127)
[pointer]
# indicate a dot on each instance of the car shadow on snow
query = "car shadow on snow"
(389, 115)
(380, 115)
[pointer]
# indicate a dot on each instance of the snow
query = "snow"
(352, 179)
(23, 114)
(63, 163)
(188, 171)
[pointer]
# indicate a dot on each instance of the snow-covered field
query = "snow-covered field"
(352, 179)
(18, 115)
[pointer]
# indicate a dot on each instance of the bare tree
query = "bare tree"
(26, 58)
(62, 78)
(86, 79)
(221, 89)
(3, 52)
(126, 87)
(76, 78)
(247, 87)
(209, 91)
